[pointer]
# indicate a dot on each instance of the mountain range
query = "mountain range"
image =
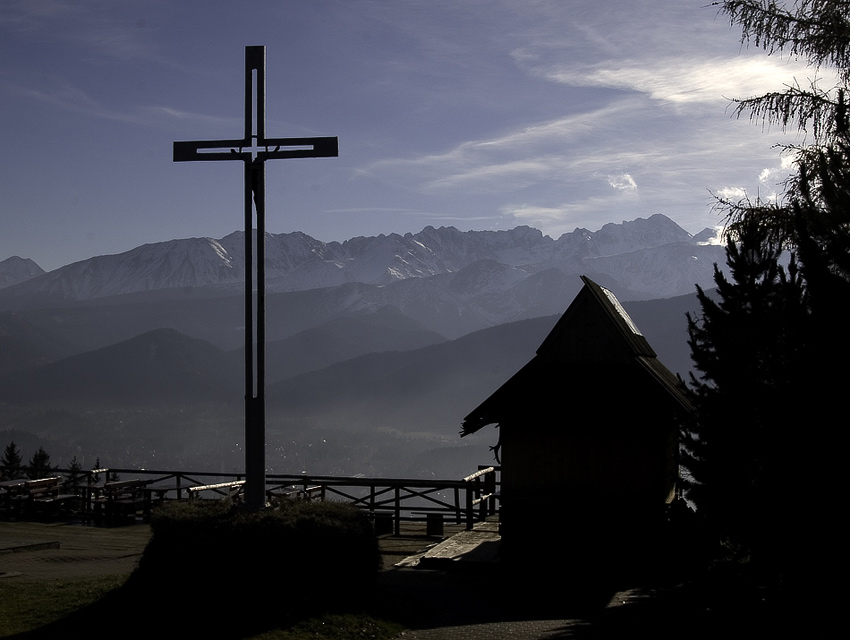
(376, 347)
(297, 262)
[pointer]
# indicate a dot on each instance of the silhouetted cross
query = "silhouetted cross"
(254, 149)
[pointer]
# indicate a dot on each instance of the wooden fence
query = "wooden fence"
(389, 501)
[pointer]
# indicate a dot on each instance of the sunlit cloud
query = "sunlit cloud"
(534, 214)
(564, 217)
(622, 182)
(678, 81)
(778, 173)
(766, 186)
(732, 194)
(717, 238)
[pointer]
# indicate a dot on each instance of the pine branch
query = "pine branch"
(818, 30)
(809, 110)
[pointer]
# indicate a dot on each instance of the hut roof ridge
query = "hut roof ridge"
(592, 299)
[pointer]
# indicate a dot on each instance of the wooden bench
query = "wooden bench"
(122, 499)
(306, 493)
(231, 490)
(43, 495)
(9, 492)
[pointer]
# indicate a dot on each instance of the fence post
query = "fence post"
(482, 504)
(490, 489)
(397, 511)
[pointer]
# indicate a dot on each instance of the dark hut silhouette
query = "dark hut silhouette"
(587, 443)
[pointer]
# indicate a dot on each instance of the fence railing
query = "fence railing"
(389, 501)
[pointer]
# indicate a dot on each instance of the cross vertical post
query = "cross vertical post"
(254, 149)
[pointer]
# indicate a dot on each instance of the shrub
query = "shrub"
(300, 558)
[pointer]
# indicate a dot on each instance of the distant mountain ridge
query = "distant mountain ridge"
(376, 347)
(670, 261)
(15, 269)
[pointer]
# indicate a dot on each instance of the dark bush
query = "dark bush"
(300, 558)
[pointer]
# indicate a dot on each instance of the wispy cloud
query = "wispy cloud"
(159, 114)
(21, 13)
(564, 217)
(661, 139)
(618, 142)
(70, 98)
(676, 80)
(95, 32)
(516, 159)
(550, 113)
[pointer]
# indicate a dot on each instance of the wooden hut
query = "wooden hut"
(587, 441)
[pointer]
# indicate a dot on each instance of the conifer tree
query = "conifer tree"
(813, 210)
(771, 351)
(747, 346)
(75, 474)
(10, 463)
(39, 464)
(95, 477)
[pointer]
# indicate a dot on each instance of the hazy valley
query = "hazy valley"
(377, 348)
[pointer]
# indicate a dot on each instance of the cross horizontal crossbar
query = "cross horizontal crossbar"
(268, 149)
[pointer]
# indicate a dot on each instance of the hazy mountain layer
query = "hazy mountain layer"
(163, 398)
(376, 347)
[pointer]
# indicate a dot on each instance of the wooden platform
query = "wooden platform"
(479, 546)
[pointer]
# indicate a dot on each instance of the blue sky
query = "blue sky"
(479, 114)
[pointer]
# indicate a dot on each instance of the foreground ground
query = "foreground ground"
(439, 603)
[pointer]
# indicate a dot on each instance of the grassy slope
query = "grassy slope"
(83, 608)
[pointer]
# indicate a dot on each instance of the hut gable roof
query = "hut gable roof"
(594, 328)
(595, 336)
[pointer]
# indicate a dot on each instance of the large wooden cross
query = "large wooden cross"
(254, 149)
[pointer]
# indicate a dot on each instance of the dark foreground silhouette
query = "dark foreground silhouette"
(703, 606)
